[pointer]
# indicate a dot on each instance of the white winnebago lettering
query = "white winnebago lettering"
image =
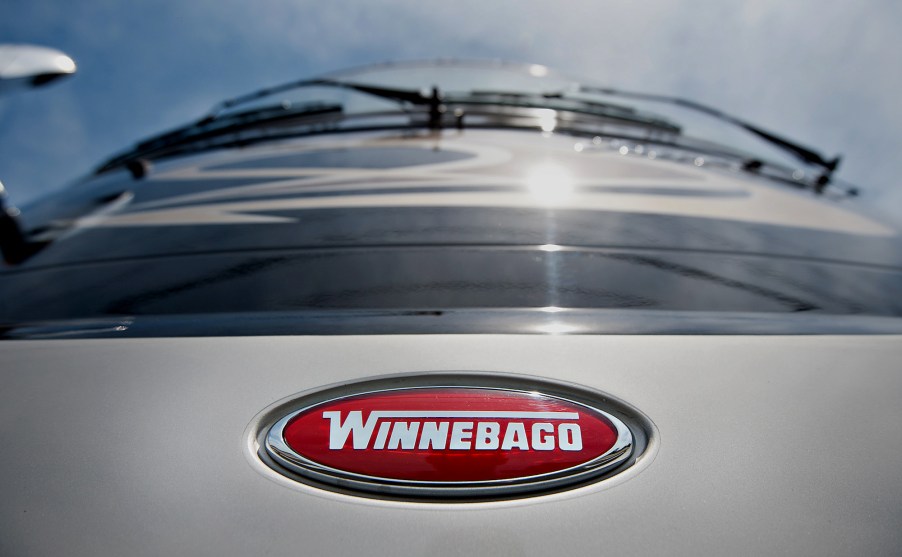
(338, 432)
(434, 436)
(407, 430)
(404, 434)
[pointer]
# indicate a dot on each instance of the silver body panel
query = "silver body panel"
(766, 445)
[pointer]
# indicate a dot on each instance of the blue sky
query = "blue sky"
(825, 75)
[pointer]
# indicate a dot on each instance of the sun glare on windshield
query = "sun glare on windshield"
(550, 184)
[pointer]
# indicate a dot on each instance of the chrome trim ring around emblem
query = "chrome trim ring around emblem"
(283, 458)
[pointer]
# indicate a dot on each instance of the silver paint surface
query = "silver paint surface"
(768, 445)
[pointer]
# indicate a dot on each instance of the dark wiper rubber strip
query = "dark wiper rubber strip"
(803, 153)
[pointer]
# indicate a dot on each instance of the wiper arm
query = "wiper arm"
(434, 101)
(802, 153)
(390, 93)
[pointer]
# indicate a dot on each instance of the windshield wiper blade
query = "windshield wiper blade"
(207, 126)
(802, 153)
(401, 95)
(210, 127)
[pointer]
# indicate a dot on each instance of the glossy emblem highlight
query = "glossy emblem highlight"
(464, 441)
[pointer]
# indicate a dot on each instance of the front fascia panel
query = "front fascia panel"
(766, 445)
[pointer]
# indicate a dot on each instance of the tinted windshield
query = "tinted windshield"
(411, 217)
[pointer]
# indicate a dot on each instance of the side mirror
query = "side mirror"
(25, 66)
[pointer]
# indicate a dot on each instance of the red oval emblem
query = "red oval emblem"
(449, 440)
